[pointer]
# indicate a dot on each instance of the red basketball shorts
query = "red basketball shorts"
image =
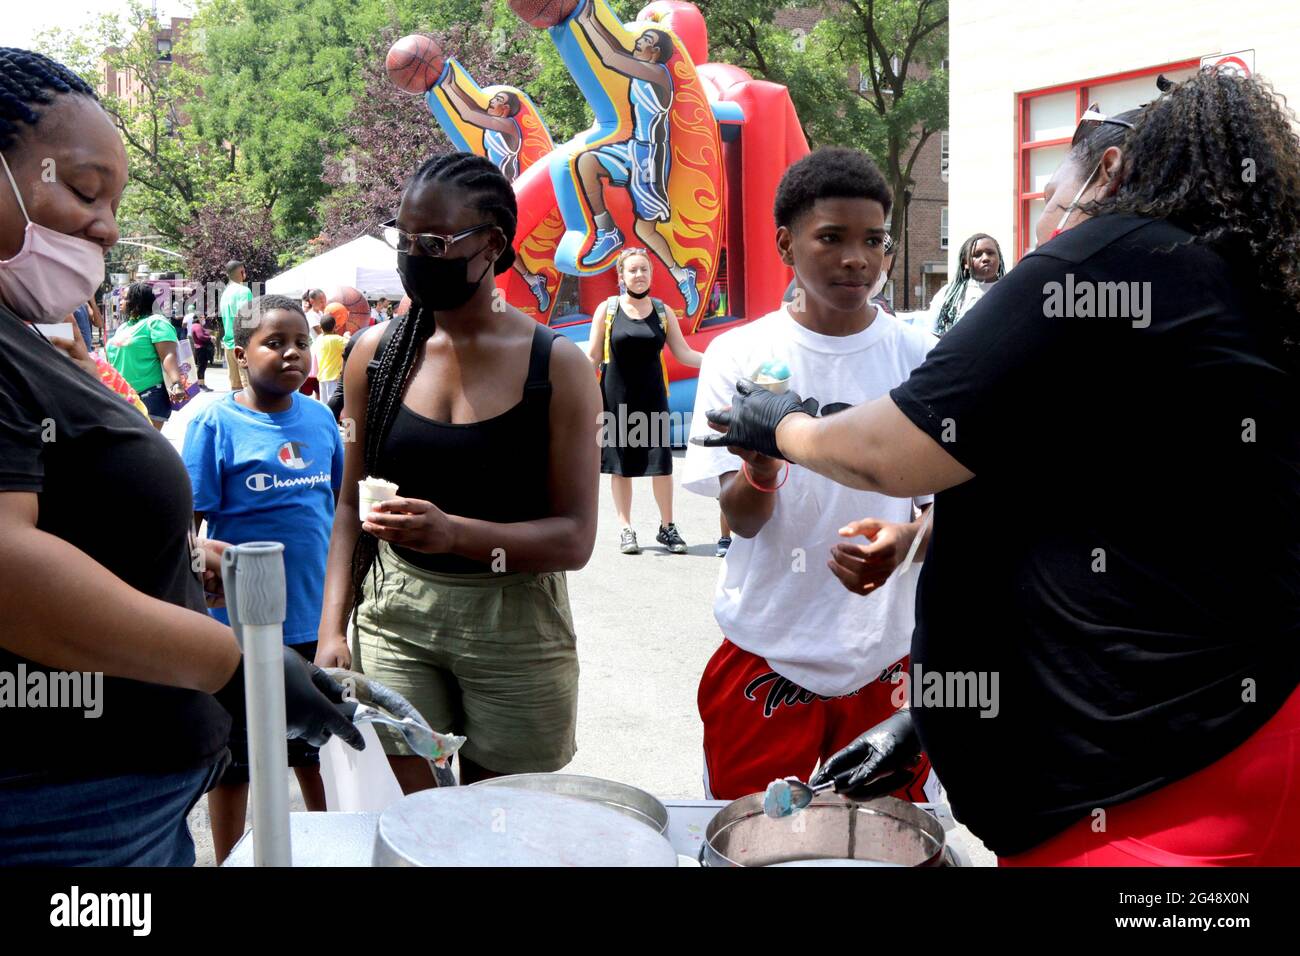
(759, 726)
(1241, 810)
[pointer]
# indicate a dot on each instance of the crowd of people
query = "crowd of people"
(1161, 688)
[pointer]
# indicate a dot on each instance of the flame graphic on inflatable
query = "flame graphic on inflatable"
(695, 229)
(536, 247)
(537, 142)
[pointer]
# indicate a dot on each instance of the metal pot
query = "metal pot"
(498, 826)
(627, 800)
(881, 832)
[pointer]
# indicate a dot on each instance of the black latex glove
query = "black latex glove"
(752, 419)
(877, 762)
(314, 708)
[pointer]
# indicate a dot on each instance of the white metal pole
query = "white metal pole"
(257, 611)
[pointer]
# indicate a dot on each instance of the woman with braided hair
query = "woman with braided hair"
(488, 423)
(110, 609)
(979, 265)
(1129, 390)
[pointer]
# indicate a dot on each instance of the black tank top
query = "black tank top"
(497, 469)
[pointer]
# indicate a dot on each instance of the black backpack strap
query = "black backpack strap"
(539, 360)
(372, 369)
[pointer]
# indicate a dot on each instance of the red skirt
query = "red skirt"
(1241, 810)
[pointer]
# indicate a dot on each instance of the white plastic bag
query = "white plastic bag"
(357, 780)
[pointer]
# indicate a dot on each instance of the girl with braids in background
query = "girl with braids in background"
(488, 423)
(108, 778)
(979, 265)
(1129, 391)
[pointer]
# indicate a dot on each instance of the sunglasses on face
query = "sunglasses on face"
(429, 243)
(1092, 118)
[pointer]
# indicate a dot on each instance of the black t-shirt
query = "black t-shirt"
(112, 486)
(1127, 557)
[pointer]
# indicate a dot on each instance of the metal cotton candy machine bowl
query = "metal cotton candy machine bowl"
(831, 831)
(503, 826)
(628, 800)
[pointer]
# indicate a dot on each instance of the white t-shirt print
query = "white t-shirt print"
(775, 596)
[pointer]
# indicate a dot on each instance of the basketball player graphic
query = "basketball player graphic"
(502, 139)
(642, 163)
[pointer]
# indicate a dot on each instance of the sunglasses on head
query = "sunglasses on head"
(1092, 118)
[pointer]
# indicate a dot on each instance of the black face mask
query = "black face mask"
(438, 284)
(638, 295)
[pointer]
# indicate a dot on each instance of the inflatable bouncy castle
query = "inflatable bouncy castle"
(683, 159)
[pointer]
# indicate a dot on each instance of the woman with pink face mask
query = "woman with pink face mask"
(113, 606)
(1111, 432)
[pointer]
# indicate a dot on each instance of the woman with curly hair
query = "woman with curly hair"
(1129, 391)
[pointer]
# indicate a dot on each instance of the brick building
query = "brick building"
(928, 248)
(127, 86)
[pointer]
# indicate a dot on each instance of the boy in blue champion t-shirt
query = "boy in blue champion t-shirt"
(266, 464)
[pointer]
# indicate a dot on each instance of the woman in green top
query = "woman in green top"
(143, 349)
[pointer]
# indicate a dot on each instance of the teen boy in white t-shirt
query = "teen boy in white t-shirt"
(814, 626)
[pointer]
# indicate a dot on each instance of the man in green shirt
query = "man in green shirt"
(233, 296)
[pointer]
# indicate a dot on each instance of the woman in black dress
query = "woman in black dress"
(628, 334)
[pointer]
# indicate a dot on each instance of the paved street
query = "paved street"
(645, 631)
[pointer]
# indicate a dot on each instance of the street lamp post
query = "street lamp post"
(907, 262)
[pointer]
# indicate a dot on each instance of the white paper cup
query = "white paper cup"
(370, 492)
(778, 386)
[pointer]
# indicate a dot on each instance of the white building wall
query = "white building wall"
(999, 49)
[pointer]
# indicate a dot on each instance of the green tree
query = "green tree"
(899, 46)
(225, 229)
(390, 132)
(896, 46)
(279, 76)
(557, 97)
(744, 33)
(173, 168)
(282, 77)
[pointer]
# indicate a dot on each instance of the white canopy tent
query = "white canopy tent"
(367, 264)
